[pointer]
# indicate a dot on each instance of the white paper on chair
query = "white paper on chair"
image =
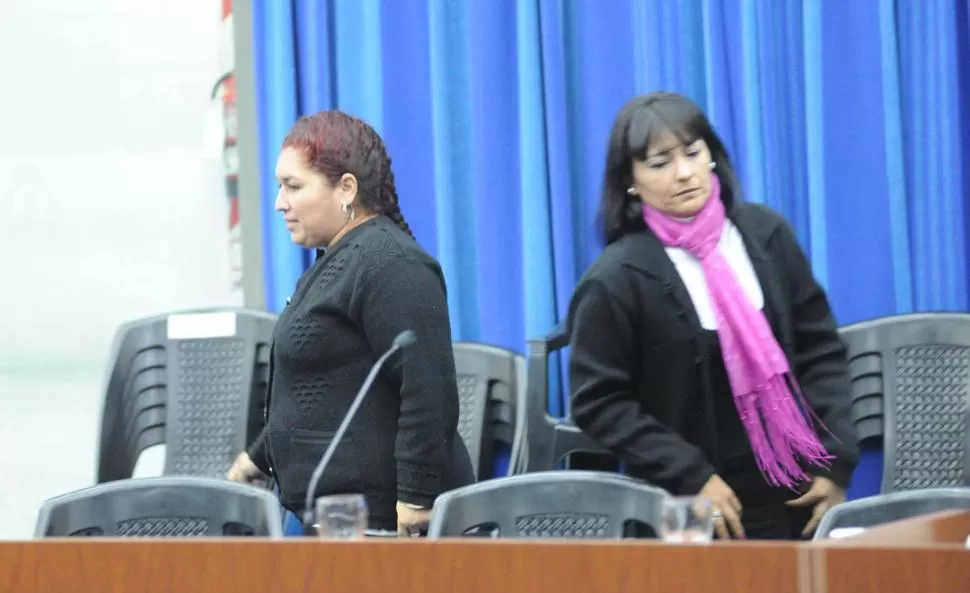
(844, 532)
(151, 463)
(194, 326)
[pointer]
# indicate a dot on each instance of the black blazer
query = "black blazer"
(635, 368)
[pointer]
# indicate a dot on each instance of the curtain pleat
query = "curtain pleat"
(276, 110)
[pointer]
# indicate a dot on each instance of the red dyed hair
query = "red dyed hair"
(335, 143)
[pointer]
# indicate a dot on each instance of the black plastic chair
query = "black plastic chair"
(546, 440)
(555, 504)
(193, 381)
(911, 388)
(885, 508)
(176, 506)
(489, 381)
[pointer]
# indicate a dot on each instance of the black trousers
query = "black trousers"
(764, 514)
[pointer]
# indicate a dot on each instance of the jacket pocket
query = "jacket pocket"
(297, 455)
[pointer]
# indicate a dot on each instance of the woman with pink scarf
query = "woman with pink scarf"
(704, 354)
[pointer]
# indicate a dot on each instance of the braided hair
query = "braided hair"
(335, 143)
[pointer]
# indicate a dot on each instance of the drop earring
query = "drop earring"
(712, 164)
(631, 191)
(348, 211)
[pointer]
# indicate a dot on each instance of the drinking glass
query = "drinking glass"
(341, 516)
(687, 520)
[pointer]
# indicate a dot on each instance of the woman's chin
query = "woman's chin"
(685, 208)
(297, 237)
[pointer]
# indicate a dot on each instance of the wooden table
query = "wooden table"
(393, 566)
(919, 556)
(926, 554)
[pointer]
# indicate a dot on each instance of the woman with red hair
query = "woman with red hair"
(370, 282)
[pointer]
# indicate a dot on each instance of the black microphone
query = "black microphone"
(403, 340)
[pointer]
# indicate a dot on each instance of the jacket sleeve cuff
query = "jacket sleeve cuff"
(417, 484)
(693, 482)
(686, 482)
(840, 472)
(257, 453)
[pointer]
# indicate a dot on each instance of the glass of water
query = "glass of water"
(687, 520)
(341, 516)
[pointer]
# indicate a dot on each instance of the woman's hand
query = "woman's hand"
(244, 470)
(727, 508)
(408, 516)
(823, 495)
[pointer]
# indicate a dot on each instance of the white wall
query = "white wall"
(107, 212)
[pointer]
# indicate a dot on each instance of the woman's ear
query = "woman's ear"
(347, 185)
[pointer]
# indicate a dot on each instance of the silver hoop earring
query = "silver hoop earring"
(712, 164)
(348, 211)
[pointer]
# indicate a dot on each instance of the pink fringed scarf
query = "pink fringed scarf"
(763, 385)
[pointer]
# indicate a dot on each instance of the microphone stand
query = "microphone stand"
(402, 340)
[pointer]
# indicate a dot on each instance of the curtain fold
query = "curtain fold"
(313, 68)
(536, 221)
(930, 76)
(850, 118)
(963, 106)
(408, 121)
(276, 109)
(452, 143)
(356, 35)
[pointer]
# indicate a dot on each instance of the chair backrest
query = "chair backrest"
(569, 504)
(170, 506)
(489, 381)
(193, 381)
(911, 386)
(884, 508)
(546, 440)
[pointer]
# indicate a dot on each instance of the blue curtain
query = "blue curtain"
(848, 117)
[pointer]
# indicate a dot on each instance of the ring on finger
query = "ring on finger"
(717, 514)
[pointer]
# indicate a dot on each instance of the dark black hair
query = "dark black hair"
(638, 122)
